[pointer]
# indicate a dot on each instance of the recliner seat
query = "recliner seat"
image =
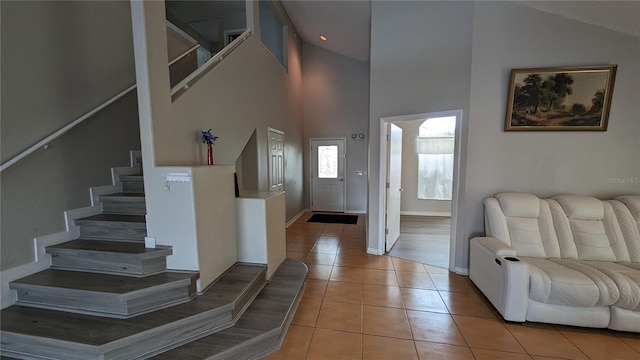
(567, 260)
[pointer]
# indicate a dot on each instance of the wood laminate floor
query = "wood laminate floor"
(424, 239)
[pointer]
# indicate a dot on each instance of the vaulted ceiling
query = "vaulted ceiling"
(347, 24)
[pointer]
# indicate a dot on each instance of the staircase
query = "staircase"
(106, 296)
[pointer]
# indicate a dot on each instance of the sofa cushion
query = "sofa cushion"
(627, 281)
(519, 204)
(633, 203)
(555, 283)
(581, 207)
(587, 229)
(633, 265)
(523, 222)
(627, 211)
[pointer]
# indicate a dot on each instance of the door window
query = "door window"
(328, 162)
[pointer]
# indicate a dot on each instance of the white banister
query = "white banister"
(183, 85)
(45, 142)
(194, 47)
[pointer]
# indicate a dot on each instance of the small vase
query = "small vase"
(210, 160)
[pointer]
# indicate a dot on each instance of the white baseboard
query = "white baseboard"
(426, 213)
(135, 158)
(41, 242)
(461, 271)
(71, 215)
(71, 232)
(7, 296)
(149, 242)
(295, 218)
(373, 251)
(355, 211)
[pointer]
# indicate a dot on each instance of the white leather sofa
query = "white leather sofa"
(572, 260)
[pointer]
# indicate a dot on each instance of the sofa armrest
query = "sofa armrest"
(501, 276)
(495, 246)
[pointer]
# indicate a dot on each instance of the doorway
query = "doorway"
(327, 175)
(424, 239)
(433, 225)
(394, 187)
(276, 160)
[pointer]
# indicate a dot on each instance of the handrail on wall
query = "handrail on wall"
(176, 91)
(184, 85)
(45, 142)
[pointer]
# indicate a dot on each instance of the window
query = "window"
(436, 138)
(273, 33)
(327, 161)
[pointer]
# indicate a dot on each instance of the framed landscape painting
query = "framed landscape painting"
(560, 98)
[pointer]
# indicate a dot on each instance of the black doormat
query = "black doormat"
(333, 219)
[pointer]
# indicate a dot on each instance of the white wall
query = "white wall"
(59, 61)
(410, 204)
(247, 91)
(506, 36)
(420, 62)
(459, 53)
(335, 92)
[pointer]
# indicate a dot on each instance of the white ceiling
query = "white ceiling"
(347, 23)
(621, 16)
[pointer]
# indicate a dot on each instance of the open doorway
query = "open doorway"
(428, 186)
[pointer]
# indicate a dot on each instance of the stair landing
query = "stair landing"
(261, 329)
(71, 336)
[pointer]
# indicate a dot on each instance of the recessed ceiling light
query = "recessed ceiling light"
(323, 38)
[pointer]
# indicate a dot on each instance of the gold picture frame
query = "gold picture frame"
(560, 98)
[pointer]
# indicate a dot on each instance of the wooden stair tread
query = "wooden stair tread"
(96, 331)
(93, 282)
(122, 247)
(128, 195)
(113, 218)
(265, 320)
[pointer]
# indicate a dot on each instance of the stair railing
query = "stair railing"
(44, 143)
(176, 91)
(181, 87)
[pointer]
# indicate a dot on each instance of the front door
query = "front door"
(327, 175)
(394, 188)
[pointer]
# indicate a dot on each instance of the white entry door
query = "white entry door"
(394, 188)
(327, 175)
(276, 160)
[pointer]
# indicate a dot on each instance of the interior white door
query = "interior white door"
(276, 160)
(394, 188)
(327, 175)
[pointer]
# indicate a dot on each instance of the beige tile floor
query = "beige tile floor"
(359, 306)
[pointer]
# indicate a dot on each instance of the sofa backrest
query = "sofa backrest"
(522, 221)
(587, 229)
(627, 210)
